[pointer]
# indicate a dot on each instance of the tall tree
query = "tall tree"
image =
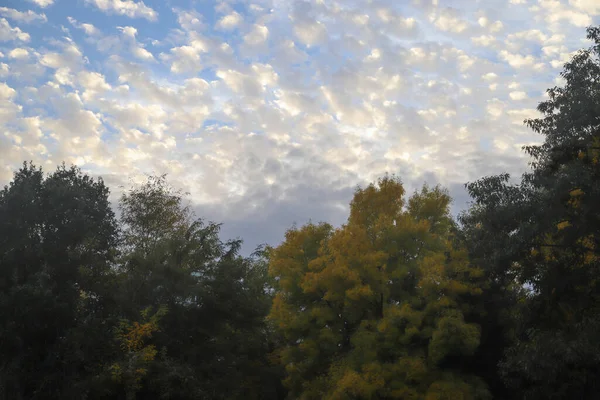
(543, 234)
(214, 332)
(380, 307)
(57, 236)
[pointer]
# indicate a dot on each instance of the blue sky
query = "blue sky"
(270, 112)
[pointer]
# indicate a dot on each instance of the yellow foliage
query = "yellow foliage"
(385, 281)
(576, 193)
(589, 255)
(359, 292)
(562, 225)
(137, 353)
(449, 390)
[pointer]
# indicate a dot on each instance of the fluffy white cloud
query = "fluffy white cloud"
(229, 21)
(134, 47)
(484, 40)
(588, 6)
(69, 57)
(521, 61)
(89, 29)
(557, 12)
(257, 35)
(276, 111)
(8, 33)
(18, 52)
(518, 95)
(449, 20)
(22, 16)
(92, 83)
(184, 59)
(129, 8)
(6, 92)
(42, 3)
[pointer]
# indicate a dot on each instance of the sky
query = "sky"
(272, 112)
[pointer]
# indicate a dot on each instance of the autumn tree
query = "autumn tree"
(543, 233)
(381, 307)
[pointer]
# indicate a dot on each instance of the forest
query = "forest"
(403, 301)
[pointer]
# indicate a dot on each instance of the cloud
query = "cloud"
(449, 20)
(42, 3)
(518, 95)
(89, 29)
(129, 8)
(273, 112)
(588, 6)
(135, 48)
(310, 33)
(556, 12)
(6, 92)
(69, 57)
(484, 40)
(22, 16)
(520, 61)
(8, 33)
(257, 35)
(18, 53)
(92, 84)
(184, 58)
(307, 28)
(229, 21)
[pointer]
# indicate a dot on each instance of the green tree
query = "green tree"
(215, 332)
(543, 235)
(57, 240)
(380, 307)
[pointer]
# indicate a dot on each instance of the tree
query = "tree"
(543, 234)
(57, 236)
(380, 307)
(215, 331)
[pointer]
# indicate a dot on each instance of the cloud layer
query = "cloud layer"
(269, 112)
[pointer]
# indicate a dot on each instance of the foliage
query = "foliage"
(137, 354)
(543, 233)
(378, 308)
(215, 331)
(57, 239)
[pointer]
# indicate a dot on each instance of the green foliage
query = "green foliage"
(57, 240)
(542, 234)
(77, 290)
(378, 308)
(215, 332)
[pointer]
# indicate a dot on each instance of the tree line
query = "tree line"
(400, 302)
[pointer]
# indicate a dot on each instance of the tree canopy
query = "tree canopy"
(378, 307)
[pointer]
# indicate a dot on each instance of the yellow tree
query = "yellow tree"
(378, 308)
(137, 353)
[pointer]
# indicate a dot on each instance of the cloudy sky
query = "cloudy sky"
(270, 112)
